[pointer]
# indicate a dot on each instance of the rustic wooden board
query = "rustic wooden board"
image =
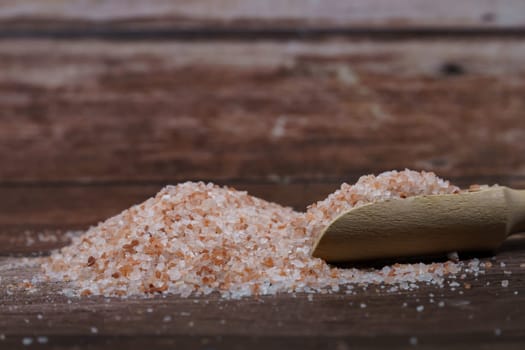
(275, 13)
(285, 99)
(273, 112)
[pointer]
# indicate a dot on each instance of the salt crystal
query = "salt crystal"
(497, 332)
(94, 330)
(27, 341)
(441, 304)
(175, 243)
(453, 256)
(420, 308)
(42, 339)
(505, 283)
(166, 318)
(362, 305)
(2, 337)
(413, 341)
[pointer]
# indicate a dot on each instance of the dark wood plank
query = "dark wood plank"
(110, 112)
(271, 13)
(486, 316)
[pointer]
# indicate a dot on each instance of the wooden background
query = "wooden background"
(104, 102)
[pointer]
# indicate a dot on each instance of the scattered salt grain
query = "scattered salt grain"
(441, 304)
(149, 310)
(502, 264)
(39, 316)
(505, 283)
(2, 337)
(507, 272)
(497, 332)
(413, 341)
(26, 341)
(420, 308)
(42, 340)
(191, 324)
(167, 318)
(94, 330)
(453, 256)
(362, 305)
(197, 239)
(310, 297)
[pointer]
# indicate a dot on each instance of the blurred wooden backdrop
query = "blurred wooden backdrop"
(104, 102)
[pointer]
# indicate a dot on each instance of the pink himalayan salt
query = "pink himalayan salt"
(197, 238)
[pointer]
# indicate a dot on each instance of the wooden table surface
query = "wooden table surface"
(103, 103)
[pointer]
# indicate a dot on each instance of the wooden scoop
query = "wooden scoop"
(424, 225)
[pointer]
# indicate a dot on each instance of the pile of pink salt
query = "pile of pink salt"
(196, 238)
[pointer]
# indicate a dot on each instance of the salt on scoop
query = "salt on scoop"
(197, 238)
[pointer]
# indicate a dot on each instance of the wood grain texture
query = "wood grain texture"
(277, 112)
(363, 13)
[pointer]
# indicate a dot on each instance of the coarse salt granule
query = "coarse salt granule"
(196, 238)
(42, 339)
(370, 188)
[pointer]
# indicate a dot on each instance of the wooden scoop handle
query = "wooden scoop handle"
(516, 205)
